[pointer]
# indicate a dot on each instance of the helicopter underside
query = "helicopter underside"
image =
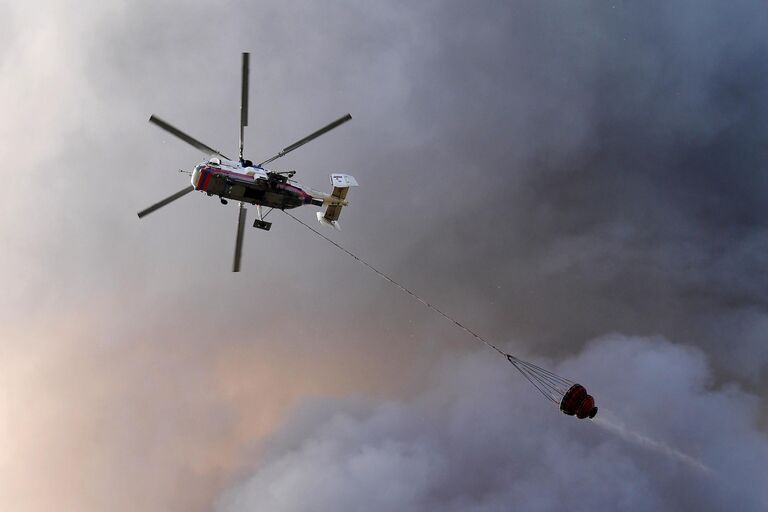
(271, 193)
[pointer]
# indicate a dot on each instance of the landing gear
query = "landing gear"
(260, 223)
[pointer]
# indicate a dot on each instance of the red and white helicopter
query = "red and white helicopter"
(243, 181)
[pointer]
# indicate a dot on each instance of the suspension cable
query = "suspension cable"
(546, 382)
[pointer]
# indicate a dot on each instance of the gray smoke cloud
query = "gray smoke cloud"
(547, 172)
(478, 439)
(616, 158)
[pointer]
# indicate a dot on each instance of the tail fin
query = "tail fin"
(337, 199)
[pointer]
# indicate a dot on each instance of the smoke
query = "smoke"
(478, 438)
(146, 418)
(545, 171)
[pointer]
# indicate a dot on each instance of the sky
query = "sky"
(583, 183)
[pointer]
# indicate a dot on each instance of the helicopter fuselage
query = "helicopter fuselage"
(252, 185)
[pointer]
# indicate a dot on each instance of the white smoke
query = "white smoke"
(479, 438)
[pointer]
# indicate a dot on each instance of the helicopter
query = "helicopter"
(247, 183)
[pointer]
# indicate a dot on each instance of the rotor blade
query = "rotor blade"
(310, 137)
(186, 138)
(169, 199)
(239, 239)
(244, 99)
